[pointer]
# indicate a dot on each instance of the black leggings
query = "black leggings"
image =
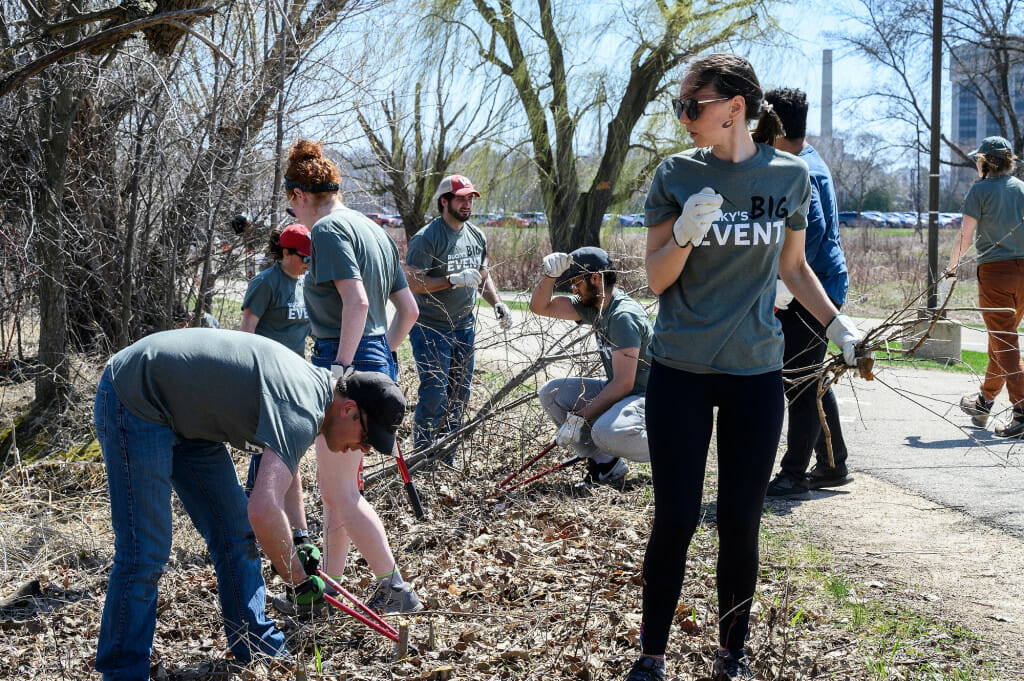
(679, 424)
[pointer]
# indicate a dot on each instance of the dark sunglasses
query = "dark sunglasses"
(290, 211)
(305, 258)
(365, 440)
(691, 107)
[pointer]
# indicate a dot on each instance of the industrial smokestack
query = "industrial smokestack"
(826, 94)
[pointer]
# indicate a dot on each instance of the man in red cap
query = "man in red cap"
(446, 266)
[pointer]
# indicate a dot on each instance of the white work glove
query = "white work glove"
(782, 295)
(555, 264)
(571, 430)
(845, 335)
(504, 316)
(699, 211)
(468, 278)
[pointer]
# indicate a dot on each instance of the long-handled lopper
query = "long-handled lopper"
(505, 487)
(367, 617)
(410, 488)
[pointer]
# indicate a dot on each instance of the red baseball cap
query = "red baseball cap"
(296, 237)
(455, 184)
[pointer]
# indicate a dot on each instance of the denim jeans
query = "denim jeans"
(444, 361)
(619, 432)
(804, 351)
(144, 462)
(372, 354)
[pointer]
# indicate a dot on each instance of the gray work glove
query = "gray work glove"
(699, 212)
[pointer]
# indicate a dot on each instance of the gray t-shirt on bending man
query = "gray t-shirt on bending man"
(224, 386)
(348, 245)
(440, 251)
(277, 300)
(623, 324)
(718, 316)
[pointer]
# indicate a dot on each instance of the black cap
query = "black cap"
(382, 403)
(586, 260)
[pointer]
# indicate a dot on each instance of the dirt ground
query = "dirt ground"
(934, 559)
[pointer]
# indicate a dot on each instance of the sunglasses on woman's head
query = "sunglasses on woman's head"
(691, 107)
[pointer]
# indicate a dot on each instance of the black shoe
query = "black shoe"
(607, 472)
(823, 476)
(732, 666)
(786, 486)
(647, 669)
(1012, 428)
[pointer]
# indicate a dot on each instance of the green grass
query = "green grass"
(894, 641)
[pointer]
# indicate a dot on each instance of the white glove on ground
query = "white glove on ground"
(571, 430)
(555, 264)
(699, 211)
(504, 316)
(845, 335)
(782, 295)
(469, 278)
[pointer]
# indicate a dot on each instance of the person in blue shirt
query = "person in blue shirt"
(805, 336)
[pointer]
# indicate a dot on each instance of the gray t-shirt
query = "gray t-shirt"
(224, 386)
(997, 203)
(439, 250)
(623, 324)
(348, 245)
(276, 299)
(717, 317)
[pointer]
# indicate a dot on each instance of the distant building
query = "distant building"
(976, 113)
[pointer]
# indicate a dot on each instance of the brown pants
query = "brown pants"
(1001, 284)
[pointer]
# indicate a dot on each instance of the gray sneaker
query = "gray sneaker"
(388, 599)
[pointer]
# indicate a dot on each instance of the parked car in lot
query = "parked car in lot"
(385, 220)
(950, 220)
(631, 220)
(535, 219)
(511, 220)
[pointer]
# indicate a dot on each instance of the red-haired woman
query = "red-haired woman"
(354, 272)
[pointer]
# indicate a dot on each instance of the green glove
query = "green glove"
(309, 592)
(309, 556)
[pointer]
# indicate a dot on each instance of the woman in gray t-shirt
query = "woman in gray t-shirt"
(273, 305)
(726, 218)
(994, 216)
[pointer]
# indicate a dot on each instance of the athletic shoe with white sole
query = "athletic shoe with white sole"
(606, 473)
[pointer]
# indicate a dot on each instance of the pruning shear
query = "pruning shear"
(504, 484)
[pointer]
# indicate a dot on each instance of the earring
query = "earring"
(727, 124)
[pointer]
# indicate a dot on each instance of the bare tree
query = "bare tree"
(415, 146)
(984, 43)
(529, 44)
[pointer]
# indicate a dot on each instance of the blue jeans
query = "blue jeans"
(444, 361)
(144, 462)
(372, 354)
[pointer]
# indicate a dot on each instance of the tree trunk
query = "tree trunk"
(57, 114)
